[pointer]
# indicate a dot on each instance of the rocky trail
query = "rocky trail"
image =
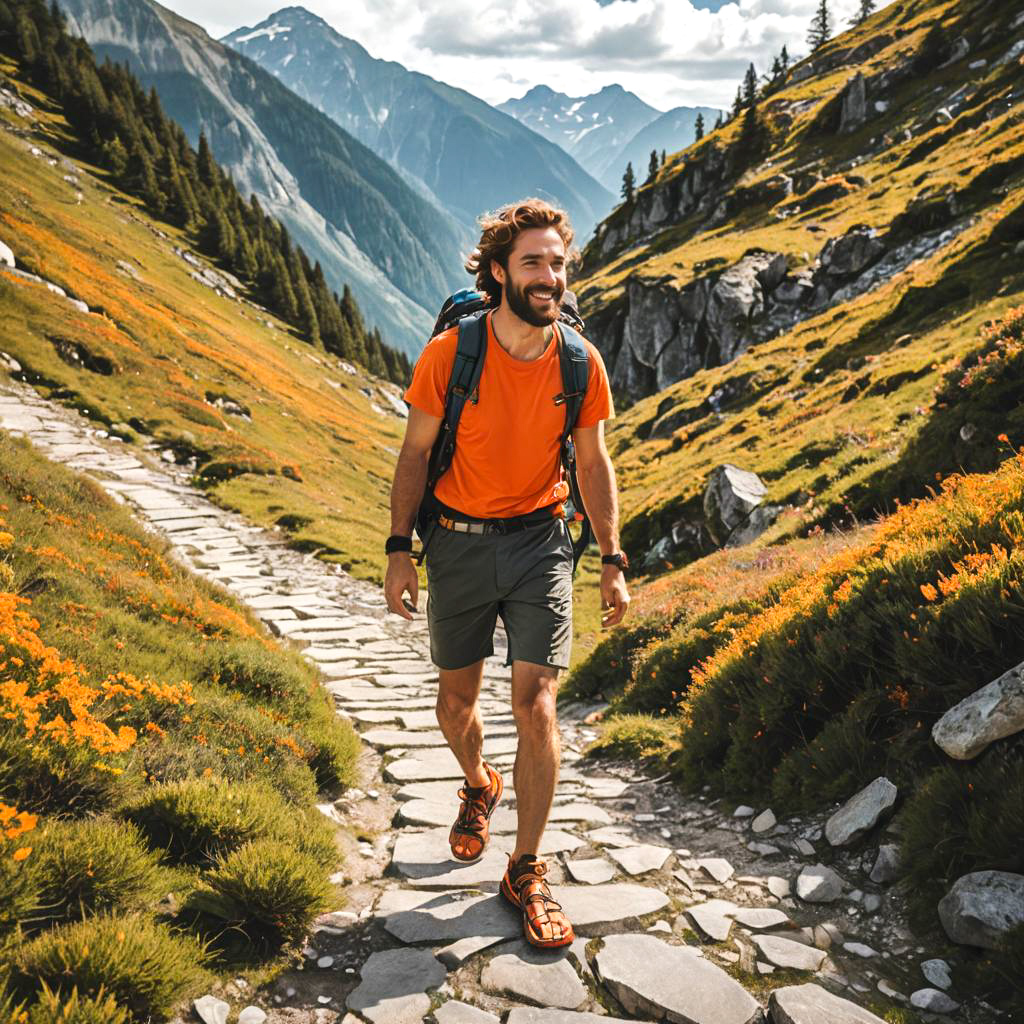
(688, 909)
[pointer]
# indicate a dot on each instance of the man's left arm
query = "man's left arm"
(600, 498)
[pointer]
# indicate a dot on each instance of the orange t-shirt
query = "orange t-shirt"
(506, 453)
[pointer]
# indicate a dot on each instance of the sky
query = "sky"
(668, 52)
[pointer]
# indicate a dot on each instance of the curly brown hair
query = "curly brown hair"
(499, 231)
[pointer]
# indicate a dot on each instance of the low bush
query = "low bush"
(636, 737)
(265, 891)
(142, 965)
(195, 821)
(262, 674)
(90, 867)
(198, 821)
(71, 1008)
(334, 750)
(608, 667)
(19, 880)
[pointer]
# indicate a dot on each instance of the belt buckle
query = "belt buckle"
(499, 527)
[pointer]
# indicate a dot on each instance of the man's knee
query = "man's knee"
(534, 701)
(457, 692)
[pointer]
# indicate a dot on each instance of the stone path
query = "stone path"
(683, 907)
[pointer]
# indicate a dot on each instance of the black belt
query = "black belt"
(461, 524)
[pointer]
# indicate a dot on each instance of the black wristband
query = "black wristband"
(396, 542)
(619, 559)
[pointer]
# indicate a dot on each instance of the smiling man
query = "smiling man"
(501, 546)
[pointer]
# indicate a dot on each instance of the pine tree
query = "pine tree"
(867, 8)
(628, 183)
(652, 167)
(821, 27)
(719, 121)
(749, 86)
(784, 59)
(207, 165)
(737, 104)
(663, 158)
(776, 69)
(752, 140)
(698, 127)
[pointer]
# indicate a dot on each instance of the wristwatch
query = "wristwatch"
(619, 559)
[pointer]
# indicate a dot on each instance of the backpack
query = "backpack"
(468, 309)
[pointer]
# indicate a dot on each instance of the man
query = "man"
(501, 546)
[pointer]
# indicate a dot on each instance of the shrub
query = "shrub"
(142, 965)
(636, 737)
(334, 750)
(90, 867)
(198, 820)
(267, 891)
(608, 667)
(267, 676)
(19, 881)
(71, 1008)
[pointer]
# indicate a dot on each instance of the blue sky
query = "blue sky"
(669, 52)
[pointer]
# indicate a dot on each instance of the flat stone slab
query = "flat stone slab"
(760, 918)
(789, 953)
(811, 1004)
(536, 1015)
(456, 1012)
(420, 855)
(443, 791)
(437, 763)
(606, 789)
(817, 883)
(393, 985)
(611, 836)
(456, 953)
(713, 918)
(717, 868)
(637, 860)
(412, 915)
(593, 871)
(651, 978)
(538, 976)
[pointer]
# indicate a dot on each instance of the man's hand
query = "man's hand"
(614, 596)
(401, 578)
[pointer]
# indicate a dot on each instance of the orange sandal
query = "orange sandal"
(544, 923)
(469, 835)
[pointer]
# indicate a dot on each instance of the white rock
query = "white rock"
(804, 847)
(937, 972)
(933, 1000)
(393, 984)
(818, 884)
(6, 255)
(743, 811)
(713, 918)
(637, 860)
(859, 949)
(325, 962)
(717, 868)
(778, 887)
(592, 871)
(534, 976)
(456, 1012)
(861, 812)
(252, 1015)
(989, 714)
(211, 1010)
(760, 918)
(764, 822)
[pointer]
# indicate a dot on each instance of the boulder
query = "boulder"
(811, 1004)
(989, 714)
(887, 864)
(982, 907)
(818, 884)
(934, 1001)
(730, 497)
(851, 253)
(652, 979)
(861, 813)
(937, 972)
(6, 255)
(783, 952)
(736, 299)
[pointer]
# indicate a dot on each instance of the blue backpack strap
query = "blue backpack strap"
(574, 360)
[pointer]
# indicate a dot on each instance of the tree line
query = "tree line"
(753, 137)
(124, 129)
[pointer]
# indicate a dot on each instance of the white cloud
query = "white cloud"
(668, 52)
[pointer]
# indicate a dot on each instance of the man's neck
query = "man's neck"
(518, 338)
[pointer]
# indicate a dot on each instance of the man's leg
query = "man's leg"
(458, 714)
(536, 769)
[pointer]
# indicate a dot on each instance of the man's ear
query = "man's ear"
(497, 272)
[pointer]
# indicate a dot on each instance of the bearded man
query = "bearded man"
(501, 546)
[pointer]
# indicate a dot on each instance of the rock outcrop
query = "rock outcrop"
(861, 813)
(989, 714)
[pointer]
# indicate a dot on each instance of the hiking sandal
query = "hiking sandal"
(544, 922)
(469, 835)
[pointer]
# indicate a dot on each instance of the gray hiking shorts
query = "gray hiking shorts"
(524, 577)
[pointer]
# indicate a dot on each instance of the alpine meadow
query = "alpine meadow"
(790, 783)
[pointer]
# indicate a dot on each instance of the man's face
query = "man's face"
(535, 279)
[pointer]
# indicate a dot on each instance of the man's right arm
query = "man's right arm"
(406, 494)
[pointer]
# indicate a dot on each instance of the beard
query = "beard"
(535, 314)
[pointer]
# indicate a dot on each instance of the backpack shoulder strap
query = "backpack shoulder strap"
(575, 364)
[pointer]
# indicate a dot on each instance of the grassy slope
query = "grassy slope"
(172, 340)
(90, 600)
(817, 451)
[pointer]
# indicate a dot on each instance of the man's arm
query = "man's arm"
(406, 494)
(600, 498)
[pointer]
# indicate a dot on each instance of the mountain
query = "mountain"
(671, 131)
(343, 204)
(593, 129)
(453, 146)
